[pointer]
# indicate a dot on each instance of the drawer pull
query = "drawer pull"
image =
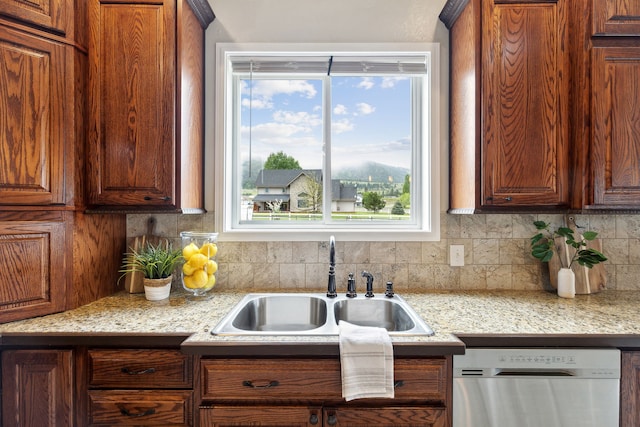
(142, 372)
(248, 383)
(124, 411)
(398, 383)
(313, 419)
(332, 419)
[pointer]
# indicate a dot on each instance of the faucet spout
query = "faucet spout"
(331, 286)
(369, 277)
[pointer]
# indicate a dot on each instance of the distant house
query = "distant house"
(292, 186)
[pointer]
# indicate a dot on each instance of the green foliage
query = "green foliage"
(280, 160)
(397, 209)
(373, 201)
(154, 262)
(542, 246)
(406, 187)
(405, 200)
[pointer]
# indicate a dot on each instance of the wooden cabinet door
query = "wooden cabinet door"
(615, 157)
(385, 416)
(132, 98)
(272, 416)
(32, 266)
(630, 389)
(524, 104)
(616, 17)
(34, 117)
(37, 388)
(51, 14)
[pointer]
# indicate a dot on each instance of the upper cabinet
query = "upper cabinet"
(36, 117)
(544, 104)
(509, 104)
(616, 17)
(146, 133)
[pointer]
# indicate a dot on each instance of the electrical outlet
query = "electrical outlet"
(456, 255)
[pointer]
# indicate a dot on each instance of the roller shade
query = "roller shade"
(331, 64)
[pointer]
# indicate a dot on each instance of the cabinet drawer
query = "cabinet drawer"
(140, 369)
(136, 407)
(290, 380)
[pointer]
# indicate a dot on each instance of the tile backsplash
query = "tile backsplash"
(496, 255)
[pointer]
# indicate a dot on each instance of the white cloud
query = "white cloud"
(298, 118)
(364, 108)
(257, 103)
(264, 90)
(389, 82)
(341, 126)
(339, 109)
(366, 83)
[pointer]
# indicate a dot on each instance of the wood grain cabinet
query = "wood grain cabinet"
(303, 392)
(139, 387)
(50, 249)
(509, 104)
(38, 388)
(145, 141)
(615, 83)
(630, 389)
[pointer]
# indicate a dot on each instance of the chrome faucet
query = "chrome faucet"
(331, 287)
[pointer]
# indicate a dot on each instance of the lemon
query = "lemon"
(209, 249)
(189, 250)
(188, 282)
(200, 278)
(211, 282)
(211, 267)
(197, 260)
(187, 269)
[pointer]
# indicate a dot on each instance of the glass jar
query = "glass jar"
(199, 250)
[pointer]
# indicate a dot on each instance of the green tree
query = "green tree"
(397, 209)
(280, 160)
(373, 201)
(405, 200)
(406, 187)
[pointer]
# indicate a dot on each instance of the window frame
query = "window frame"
(427, 227)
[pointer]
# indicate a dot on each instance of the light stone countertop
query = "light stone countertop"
(611, 316)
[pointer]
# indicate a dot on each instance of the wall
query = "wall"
(496, 246)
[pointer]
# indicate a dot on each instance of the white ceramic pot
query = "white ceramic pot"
(566, 283)
(157, 289)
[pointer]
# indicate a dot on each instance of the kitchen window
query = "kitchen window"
(313, 140)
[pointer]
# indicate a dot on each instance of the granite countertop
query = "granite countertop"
(458, 318)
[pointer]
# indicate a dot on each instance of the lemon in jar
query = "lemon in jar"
(190, 250)
(209, 249)
(211, 267)
(197, 260)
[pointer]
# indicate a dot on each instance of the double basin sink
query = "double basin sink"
(317, 314)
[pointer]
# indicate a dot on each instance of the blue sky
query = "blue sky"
(370, 120)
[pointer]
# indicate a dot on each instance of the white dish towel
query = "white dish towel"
(366, 360)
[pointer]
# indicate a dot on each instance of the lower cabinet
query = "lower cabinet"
(150, 387)
(308, 392)
(630, 389)
(38, 388)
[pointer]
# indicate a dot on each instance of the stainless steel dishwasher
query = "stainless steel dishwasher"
(536, 388)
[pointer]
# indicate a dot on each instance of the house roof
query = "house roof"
(283, 177)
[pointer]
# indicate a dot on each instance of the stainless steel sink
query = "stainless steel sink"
(316, 314)
(382, 313)
(281, 313)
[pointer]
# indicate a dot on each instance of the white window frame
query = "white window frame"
(427, 227)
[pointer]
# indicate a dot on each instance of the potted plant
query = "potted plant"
(156, 263)
(562, 244)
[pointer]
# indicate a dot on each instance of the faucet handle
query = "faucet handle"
(351, 287)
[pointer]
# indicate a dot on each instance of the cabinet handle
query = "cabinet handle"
(164, 199)
(248, 383)
(398, 383)
(332, 420)
(126, 370)
(124, 411)
(313, 419)
(508, 198)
